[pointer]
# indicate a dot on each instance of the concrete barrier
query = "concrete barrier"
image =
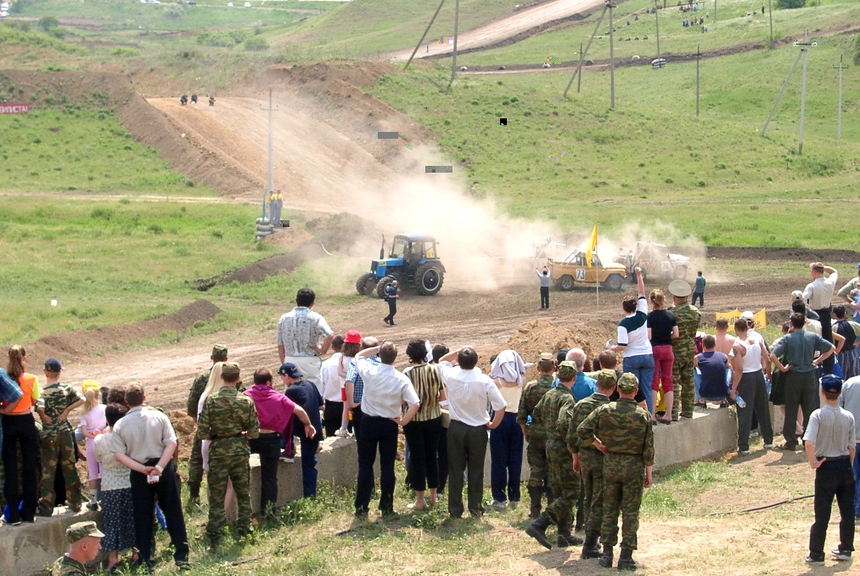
(30, 548)
(707, 434)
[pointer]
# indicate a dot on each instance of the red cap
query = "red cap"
(352, 337)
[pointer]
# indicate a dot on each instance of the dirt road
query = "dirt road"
(504, 28)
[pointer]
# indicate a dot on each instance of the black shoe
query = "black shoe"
(590, 549)
(606, 558)
(625, 561)
(817, 560)
(565, 540)
(537, 530)
(841, 555)
(361, 514)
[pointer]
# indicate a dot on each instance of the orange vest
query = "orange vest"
(30, 387)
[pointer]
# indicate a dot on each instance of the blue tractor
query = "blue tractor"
(412, 262)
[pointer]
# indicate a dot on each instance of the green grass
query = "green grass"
(713, 177)
(732, 28)
(80, 149)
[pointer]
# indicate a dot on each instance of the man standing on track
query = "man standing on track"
(195, 462)
(299, 332)
(818, 294)
(391, 297)
(699, 290)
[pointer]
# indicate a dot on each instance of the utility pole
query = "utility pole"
(611, 56)
(271, 156)
(770, 17)
(578, 71)
(657, 18)
(804, 51)
(579, 77)
(698, 56)
(715, 11)
(456, 33)
(426, 30)
(841, 67)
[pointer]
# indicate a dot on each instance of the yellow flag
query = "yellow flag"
(592, 246)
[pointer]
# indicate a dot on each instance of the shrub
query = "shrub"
(47, 23)
(790, 4)
(174, 12)
(256, 43)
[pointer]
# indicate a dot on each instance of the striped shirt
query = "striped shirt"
(428, 383)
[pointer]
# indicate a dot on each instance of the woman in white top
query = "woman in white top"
(633, 340)
(116, 492)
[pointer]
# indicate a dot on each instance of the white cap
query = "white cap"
(796, 295)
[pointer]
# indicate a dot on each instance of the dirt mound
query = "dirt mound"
(185, 427)
(536, 336)
(340, 233)
(84, 343)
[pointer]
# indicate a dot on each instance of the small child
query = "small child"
(93, 422)
(57, 440)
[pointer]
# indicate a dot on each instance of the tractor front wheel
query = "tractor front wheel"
(365, 284)
(383, 284)
(428, 279)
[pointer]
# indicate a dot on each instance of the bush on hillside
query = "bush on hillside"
(46, 23)
(790, 4)
(256, 43)
(223, 38)
(174, 12)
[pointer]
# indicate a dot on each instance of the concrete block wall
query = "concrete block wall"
(29, 548)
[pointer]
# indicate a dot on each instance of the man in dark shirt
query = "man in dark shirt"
(306, 395)
(798, 348)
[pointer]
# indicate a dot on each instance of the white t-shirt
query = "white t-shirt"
(469, 393)
(633, 331)
(331, 380)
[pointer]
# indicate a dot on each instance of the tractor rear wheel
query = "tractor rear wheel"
(613, 282)
(565, 282)
(383, 284)
(428, 279)
(365, 284)
(679, 272)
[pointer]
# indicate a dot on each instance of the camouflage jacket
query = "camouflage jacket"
(689, 319)
(197, 389)
(548, 412)
(532, 394)
(623, 427)
(579, 413)
(65, 566)
(57, 397)
(228, 419)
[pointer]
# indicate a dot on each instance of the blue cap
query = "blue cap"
(53, 365)
(289, 369)
(831, 383)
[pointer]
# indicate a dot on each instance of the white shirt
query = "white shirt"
(633, 331)
(299, 331)
(385, 389)
(813, 326)
(114, 474)
(331, 380)
(819, 292)
(509, 366)
(142, 434)
(850, 400)
(831, 429)
(469, 393)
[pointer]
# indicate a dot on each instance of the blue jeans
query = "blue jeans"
(857, 482)
(643, 368)
(506, 459)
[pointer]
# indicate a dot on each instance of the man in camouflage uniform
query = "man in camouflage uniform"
(84, 546)
(57, 440)
(684, 347)
(622, 431)
(229, 420)
(533, 432)
(588, 460)
(553, 414)
(195, 462)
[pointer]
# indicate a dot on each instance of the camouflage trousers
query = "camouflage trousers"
(623, 477)
(195, 462)
(685, 389)
(58, 449)
(563, 482)
(536, 454)
(591, 472)
(237, 470)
